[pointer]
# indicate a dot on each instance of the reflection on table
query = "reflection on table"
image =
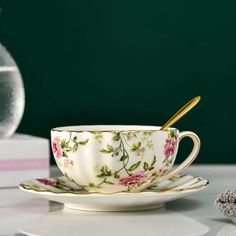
(155, 222)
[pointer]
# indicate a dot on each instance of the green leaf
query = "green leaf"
(136, 146)
(145, 166)
(75, 138)
(134, 166)
(116, 175)
(104, 151)
(68, 149)
(150, 145)
(75, 147)
(105, 172)
(63, 143)
(108, 182)
(64, 154)
(173, 133)
(123, 158)
(154, 161)
(151, 168)
(110, 148)
(116, 137)
(101, 176)
(83, 142)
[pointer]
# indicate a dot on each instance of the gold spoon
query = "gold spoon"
(180, 113)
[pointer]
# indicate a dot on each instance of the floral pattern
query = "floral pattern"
(137, 173)
(135, 166)
(56, 147)
(135, 179)
(63, 185)
(146, 135)
(170, 148)
(61, 148)
(47, 181)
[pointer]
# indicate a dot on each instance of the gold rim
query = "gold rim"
(59, 129)
(110, 131)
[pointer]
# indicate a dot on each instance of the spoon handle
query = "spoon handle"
(179, 114)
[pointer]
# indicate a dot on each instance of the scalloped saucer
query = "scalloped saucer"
(62, 190)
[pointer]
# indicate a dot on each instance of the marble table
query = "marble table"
(25, 214)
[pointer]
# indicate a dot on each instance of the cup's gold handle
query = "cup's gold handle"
(190, 158)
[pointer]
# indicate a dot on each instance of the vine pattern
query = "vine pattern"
(124, 144)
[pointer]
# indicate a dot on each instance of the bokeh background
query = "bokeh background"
(127, 62)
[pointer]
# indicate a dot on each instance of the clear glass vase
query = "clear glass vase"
(12, 95)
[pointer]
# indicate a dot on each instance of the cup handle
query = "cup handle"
(190, 158)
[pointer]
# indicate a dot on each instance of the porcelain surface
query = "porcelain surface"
(112, 159)
(73, 196)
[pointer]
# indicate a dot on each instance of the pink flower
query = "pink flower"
(170, 147)
(56, 148)
(68, 162)
(50, 182)
(137, 178)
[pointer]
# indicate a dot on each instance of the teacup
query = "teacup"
(110, 159)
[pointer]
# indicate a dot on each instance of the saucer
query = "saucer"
(63, 190)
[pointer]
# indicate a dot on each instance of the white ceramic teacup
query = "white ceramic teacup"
(110, 159)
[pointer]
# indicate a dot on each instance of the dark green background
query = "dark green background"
(127, 62)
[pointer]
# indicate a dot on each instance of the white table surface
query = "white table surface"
(193, 215)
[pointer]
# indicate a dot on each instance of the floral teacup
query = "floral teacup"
(110, 159)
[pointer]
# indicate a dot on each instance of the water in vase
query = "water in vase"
(11, 94)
